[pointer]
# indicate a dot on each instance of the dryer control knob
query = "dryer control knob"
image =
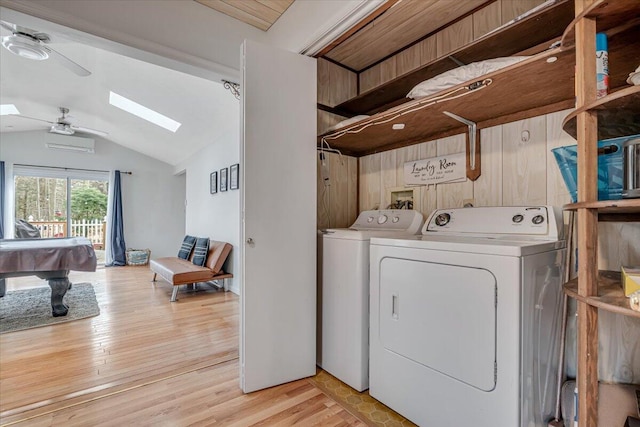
(538, 219)
(517, 218)
(395, 219)
(370, 219)
(382, 219)
(443, 219)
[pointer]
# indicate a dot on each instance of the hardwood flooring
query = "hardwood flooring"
(145, 361)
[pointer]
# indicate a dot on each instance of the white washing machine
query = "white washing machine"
(343, 291)
(465, 318)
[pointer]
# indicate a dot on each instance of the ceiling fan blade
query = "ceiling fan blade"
(89, 130)
(43, 37)
(67, 63)
(32, 118)
(8, 26)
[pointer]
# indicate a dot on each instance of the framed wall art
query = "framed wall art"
(223, 179)
(234, 182)
(213, 182)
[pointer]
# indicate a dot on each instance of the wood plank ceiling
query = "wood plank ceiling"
(397, 27)
(258, 13)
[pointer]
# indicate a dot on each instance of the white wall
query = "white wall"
(216, 216)
(152, 197)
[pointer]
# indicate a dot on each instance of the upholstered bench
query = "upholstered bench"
(178, 271)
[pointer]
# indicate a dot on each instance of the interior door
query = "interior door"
(278, 256)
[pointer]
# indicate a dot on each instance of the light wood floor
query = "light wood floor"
(145, 361)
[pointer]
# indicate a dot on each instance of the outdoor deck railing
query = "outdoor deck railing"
(94, 230)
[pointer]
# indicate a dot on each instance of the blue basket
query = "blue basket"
(137, 256)
(610, 175)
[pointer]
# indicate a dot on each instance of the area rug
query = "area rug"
(31, 308)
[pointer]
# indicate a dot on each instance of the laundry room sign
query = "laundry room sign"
(436, 170)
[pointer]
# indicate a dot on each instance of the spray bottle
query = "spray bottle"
(602, 65)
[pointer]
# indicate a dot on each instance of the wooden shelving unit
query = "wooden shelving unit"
(610, 295)
(596, 290)
(611, 210)
(616, 15)
(542, 84)
(492, 105)
(618, 114)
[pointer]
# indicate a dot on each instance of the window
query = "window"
(61, 203)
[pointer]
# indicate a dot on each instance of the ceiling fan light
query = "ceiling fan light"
(61, 129)
(24, 47)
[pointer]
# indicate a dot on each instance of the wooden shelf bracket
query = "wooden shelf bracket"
(472, 146)
(456, 60)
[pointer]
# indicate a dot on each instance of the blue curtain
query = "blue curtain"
(117, 246)
(1, 200)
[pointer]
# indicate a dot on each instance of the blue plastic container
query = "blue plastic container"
(610, 174)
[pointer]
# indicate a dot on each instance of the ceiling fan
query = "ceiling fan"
(64, 126)
(30, 44)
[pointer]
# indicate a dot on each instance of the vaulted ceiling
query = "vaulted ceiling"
(38, 88)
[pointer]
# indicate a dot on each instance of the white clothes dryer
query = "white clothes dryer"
(465, 318)
(343, 291)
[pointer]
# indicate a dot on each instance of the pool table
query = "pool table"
(49, 259)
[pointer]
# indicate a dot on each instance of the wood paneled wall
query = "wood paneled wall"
(335, 85)
(338, 198)
(445, 41)
(512, 170)
(518, 168)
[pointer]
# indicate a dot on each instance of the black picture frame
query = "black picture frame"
(224, 173)
(234, 176)
(213, 182)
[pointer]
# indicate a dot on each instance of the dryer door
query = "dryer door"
(441, 316)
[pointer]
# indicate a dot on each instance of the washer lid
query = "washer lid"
(499, 245)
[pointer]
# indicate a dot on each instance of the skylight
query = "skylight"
(143, 112)
(6, 109)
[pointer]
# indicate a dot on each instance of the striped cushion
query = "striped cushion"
(201, 250)
(187, 247)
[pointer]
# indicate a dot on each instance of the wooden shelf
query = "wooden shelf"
(610, 294)
(618, 114)
(529, 88)
(609, 14)
(538, 28)
(533, 87)
(624, 210)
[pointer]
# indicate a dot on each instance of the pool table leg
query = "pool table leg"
(59, 288)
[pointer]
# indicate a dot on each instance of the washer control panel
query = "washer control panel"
(409, 221)
(541, 221)
(443, 219)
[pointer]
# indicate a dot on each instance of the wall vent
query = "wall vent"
(70, 143)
